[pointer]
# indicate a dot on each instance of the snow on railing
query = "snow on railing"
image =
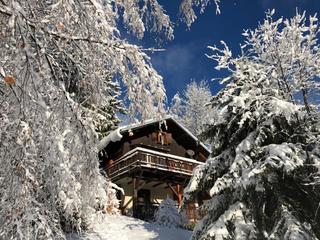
(143, 157)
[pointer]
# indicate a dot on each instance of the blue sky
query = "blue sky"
(184, 58)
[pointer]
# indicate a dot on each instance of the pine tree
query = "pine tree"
(104, 110)
(168, 214)
(263, 176)
(192, 109)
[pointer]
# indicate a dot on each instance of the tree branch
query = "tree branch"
(5, 10)
(93, 40)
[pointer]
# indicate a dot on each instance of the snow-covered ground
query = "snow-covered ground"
(126, 228)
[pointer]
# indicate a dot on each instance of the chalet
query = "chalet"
(151, 161)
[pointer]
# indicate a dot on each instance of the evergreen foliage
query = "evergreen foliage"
(264, 173)
(168, 214)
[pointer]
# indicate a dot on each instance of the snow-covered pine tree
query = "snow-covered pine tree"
(264, 173)
(192, 109)
(168, 214)
(104, 110)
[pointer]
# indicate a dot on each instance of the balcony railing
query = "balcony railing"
(142, 157)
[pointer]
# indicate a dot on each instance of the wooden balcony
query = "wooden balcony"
(149, 159)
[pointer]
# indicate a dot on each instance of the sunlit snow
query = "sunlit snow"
(126, 228)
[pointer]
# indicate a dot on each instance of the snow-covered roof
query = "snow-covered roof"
(115, 135)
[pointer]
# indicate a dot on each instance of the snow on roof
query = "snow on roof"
(141, 124)
(105, 141)
(113, 136)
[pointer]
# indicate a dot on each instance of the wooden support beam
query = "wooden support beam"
(135, 182)
(140, 177)
(157, 184)
(141, 185)
(122, 201)
(172, 189)
(148, 181)
(125, 206)
(179, 191)
(160, 181)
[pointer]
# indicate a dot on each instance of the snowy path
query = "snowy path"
(125, 228)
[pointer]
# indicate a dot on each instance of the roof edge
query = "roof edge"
(106, 140)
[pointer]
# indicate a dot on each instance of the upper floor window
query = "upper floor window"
(162, 138)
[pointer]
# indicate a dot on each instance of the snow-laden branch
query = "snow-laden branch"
(263, 175)
(187, 9)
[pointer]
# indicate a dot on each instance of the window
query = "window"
(162, 138)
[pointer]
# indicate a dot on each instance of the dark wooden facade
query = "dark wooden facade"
(150, 159)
